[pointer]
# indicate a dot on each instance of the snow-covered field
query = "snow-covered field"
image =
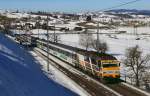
(20, 74)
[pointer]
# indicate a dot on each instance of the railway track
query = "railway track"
(91, 85)
(126, 91)
(107, 33)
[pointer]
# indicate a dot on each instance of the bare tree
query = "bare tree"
(86, 40)
(100, 46)
(136, 62)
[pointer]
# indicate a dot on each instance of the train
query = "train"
(100, 65)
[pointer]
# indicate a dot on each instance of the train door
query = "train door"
(91, 64)
(100, 67)
(81, 61)
(76, 60)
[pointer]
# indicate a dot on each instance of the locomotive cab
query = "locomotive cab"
(110, 68)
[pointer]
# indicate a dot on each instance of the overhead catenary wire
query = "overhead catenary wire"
(120, 5)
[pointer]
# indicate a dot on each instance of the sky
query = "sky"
(70, 5)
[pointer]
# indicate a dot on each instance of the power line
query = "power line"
(120, 5)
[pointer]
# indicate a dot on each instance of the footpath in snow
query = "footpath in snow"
(20, 74)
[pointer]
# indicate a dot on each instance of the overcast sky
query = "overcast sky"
(70, 5)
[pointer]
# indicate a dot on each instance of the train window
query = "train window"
(93, 61)
(119, 64)
(69, 54)
(99, 64)
(86, 58)
(110, 65)
(63, 52)
(66, 53)
(73, 56)
(51, 48)
(44, 45)
(56, 49)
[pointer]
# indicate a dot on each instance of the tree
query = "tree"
(136, 62)
(37, 25)
(89, 18)
(86, 40)
(99, 46)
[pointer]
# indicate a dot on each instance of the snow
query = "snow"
(20, 74)
(17, 15)
(94, 24)
(58, 76)
(70, 26)
(141, 91)
(140, 30)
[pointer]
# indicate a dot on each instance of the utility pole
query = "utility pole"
(55, 39)
(54, 32)
(26, 30)
(20, 28)
(97, 42)
(38, 28)
(47, 45)
(38, 25)
(135, 31)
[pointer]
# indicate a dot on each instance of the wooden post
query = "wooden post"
(47, 46)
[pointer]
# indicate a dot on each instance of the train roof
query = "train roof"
(94, 54)
(97, 55)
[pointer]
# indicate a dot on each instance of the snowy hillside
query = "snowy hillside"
(21, 76)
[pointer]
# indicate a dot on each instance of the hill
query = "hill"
(20, 75)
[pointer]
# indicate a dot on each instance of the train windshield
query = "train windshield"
(110, 65)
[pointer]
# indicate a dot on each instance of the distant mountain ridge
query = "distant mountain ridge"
(131, 11)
